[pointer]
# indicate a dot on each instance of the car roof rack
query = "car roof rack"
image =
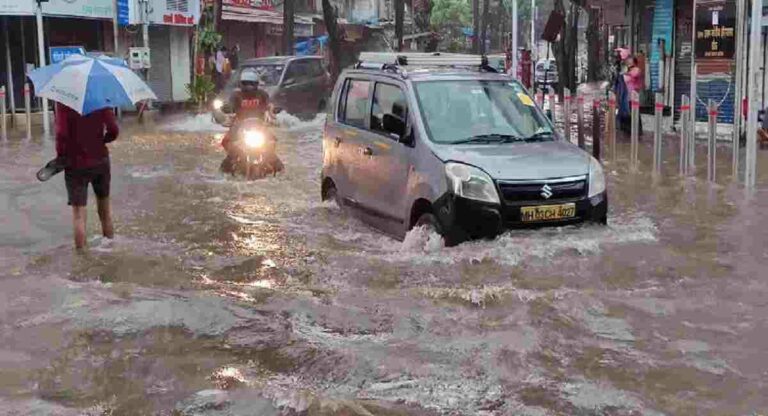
(393, 60)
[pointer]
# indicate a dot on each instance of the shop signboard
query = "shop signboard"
(175, 13)
(123, 12)
(249, 4)
(715, 30)
(99, 9)
(17, 7)
(60, 53)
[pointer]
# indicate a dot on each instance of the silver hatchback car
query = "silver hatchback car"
(460, 149)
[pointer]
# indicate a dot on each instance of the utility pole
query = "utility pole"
(475, 26)
(754, 74)
(41, 51)
(399, 17)
(288, 20)
(514, 37)
(484, 30)
(740, 41)
(534, 48)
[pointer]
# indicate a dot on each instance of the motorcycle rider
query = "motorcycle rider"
(249, 102)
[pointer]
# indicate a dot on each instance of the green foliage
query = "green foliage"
(450, 13)
(209, 40)
(207, 37)
(201, 89)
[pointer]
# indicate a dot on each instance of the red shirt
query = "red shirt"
(80, 139)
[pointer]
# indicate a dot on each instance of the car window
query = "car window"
(355, 103)
(317, 68)
(387, 99)
(269, 75)
(297, 71)
(454, 111)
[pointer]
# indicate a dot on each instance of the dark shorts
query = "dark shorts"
(77, 181)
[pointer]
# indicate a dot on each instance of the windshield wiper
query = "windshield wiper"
(490, 138)
(540, 136)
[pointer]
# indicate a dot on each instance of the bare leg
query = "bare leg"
(105, 216)
(79, 216)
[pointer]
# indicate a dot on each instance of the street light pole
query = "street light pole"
(754, 73)
(514, 36)
(41, 51)
(740, 21)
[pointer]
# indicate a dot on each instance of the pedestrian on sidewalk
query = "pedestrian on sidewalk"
(234, 57)
(81, 142)
(629, 80)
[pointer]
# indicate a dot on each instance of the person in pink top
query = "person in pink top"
(634, 77)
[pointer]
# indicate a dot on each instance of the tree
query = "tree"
(289, 7)
(334, 40)
(594, 65)
(565, 48)
(449, 17)
(399, 16)
(421, 14)
(484, 29)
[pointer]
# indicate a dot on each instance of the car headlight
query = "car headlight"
(471, 183)
(596, 178)
(218, 104)
(254, 138)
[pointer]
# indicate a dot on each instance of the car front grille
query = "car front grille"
(564, 189)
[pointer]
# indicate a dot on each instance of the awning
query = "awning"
(243, 14)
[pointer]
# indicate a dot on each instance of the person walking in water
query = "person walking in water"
(81, 144)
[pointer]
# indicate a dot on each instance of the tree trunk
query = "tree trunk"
(288, 17)
(334, 40)
(476, 26)
(216, 15)
(593, 45)
(484, 30)
(399, 17)
(565, 49)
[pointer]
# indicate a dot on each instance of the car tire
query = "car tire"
(321, 106)
(429, 220)
(333, 194)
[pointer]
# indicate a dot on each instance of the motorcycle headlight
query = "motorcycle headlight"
(471, 183)
(254, 138)
(218, 104)
(596, 178)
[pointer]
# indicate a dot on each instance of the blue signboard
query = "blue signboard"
(123, 13)
(663, 18)
(60, 53)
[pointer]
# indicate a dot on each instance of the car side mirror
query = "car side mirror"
(394, 125)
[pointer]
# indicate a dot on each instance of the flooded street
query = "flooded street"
(227, 297)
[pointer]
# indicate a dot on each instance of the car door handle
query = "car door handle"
(366, 151)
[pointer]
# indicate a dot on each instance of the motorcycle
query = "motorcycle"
(252, 151)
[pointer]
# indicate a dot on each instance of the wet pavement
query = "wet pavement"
(227, 297)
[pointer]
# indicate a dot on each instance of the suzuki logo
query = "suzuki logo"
(546, 191)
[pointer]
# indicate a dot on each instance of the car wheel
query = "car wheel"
(430, 221)
(333, 194)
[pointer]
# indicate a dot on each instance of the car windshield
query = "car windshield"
(479, 111)
(269, 75)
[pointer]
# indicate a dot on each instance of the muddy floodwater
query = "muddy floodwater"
(227, 297)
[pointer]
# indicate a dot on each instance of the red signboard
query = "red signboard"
(178, 19)
(250, 4)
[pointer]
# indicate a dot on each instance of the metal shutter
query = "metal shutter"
(160, 73)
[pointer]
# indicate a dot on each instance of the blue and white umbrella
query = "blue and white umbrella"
(86, 84)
